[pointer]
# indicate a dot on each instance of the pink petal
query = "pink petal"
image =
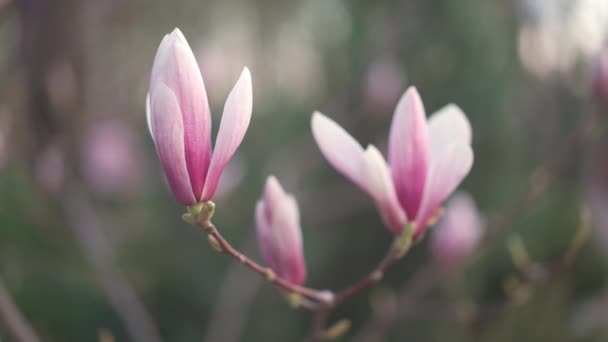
(279, 234)
(339, 148)
(234, 124)
(263, 232)
(148, 118)
(449, 124)
(381, 188)
(449, 166)
(176, 67)
(289, 242)
(409, 150)
(168, 131)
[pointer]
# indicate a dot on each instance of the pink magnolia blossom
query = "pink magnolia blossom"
(427, 160)
(180, 122)
(458, 233)
(279, 234)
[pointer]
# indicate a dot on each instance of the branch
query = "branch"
(372, 278)
(325, 297)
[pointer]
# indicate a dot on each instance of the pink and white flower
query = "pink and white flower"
(427, 160)
(180, 122)
(279, 234)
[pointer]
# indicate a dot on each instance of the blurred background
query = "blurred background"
(92, 247)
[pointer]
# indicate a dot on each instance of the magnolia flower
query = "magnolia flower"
(427, 160)
(180, 123)
(279, 234)
(458, 232)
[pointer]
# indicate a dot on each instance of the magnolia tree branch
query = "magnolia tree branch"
(219, 242)
(372, 278)
(400, 247)
(320, 301)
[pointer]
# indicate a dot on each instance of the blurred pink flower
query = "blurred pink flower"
(279, 234)
(428, 159)
(600, 78)
(383, 84)
(180, 122)
(458, 233)
(110, 159)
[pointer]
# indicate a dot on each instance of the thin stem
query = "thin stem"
(225, 247)
(323, 302)
(321, 316)
(375, 276)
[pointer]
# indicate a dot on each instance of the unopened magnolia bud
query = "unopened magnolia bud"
(458, 233)
(179, 121)
(278, 233)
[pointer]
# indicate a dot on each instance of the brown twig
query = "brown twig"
(323, 301)
(226, 247)
(372, 278)
(322, 315)
(14, 320)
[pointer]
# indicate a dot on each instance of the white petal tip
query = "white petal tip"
(244, 81)
(371, 149)
(412, 90)
(318, 118)
(246, 72)
(271, 179)
(412, 94)
(177, 33)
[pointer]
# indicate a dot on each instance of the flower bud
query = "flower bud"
(458, 233)
(278, 232)
(180, 122)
